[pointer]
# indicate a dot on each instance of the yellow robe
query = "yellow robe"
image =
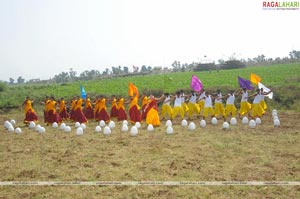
(134, 102)
(28, 106)
(62, 106)
(121, 104)
(78, 104)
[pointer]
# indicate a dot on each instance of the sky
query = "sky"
(42, 38)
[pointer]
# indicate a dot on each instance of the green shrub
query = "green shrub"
(2, 86)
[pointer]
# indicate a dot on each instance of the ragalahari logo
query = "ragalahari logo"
(281, 5)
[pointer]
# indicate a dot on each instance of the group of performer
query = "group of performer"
(201, 104)
(190, 105)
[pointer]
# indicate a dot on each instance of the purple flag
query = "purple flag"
(244, 83)
(196, 83)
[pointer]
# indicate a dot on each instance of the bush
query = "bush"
(2, 86)
(205, 67)
(233, 64)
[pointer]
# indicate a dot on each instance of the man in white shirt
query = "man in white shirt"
(245, 105)
(166, 109)
(219, 107)
(177, 107)
(230, 107)
(208, 107)
(193, 106)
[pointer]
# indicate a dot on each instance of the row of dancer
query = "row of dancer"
(194, 104)
(80, 110)
(202, 104)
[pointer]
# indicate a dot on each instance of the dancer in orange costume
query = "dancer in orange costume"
(121, 109)
(145, 101)
(78, 114)
(52, 115)
(134, 110)
(63, 113)
(101, 113)
(152, 111)
(88, 110)
(114, 107)
(30, 114)
(72, 109)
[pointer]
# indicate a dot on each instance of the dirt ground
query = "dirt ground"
(265, 153)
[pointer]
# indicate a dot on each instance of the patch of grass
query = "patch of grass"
(275, 76)
(207, 154)
(152, 192)
(2, 86)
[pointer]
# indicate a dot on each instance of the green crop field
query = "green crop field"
(283, 78)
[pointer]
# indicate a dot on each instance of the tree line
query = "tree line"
(177, 66)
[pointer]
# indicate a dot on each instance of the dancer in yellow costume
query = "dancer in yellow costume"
(245, 105)
(193, 106)
(219, 107)
(166, 108)
(201, 100)
(262, 99)
(177, 107)
(230, 107)
(208, 107)
(183, 104)
(257, 110)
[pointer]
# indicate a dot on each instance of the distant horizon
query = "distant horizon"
(40, 39)
(273, 62)
(204, 60)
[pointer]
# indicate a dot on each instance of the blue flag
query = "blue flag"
(244, 83)
(83, 94)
